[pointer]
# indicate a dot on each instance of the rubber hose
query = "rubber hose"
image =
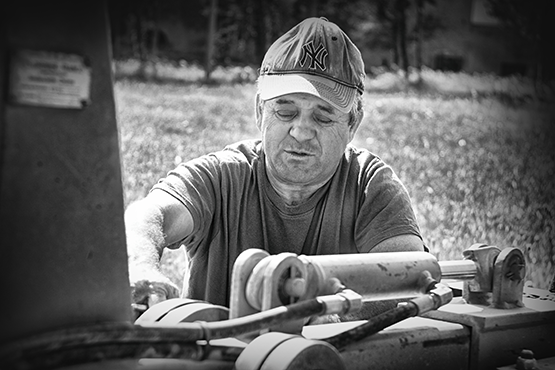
(373, 325)
(258, 321)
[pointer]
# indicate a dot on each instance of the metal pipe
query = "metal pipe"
(375, 276)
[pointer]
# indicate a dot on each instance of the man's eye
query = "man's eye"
(323, 120)
(286, 115)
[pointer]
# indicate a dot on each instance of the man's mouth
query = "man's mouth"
(299, 153)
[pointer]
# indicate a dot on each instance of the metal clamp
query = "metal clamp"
(499, 281)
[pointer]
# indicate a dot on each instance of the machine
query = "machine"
(468, 314)
(63, 261)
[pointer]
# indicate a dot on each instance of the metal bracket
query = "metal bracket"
(242, 268)
(499, 281)
(508, 279)
(478, 290)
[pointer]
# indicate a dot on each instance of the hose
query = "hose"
(122, 340)
(373, 325)
(264, 319)
(439, 294)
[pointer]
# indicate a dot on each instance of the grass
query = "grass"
(475, 152)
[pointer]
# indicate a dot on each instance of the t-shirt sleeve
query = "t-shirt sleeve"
(211, 188)
(386, 210)
(194, 184)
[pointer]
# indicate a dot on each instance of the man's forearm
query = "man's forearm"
(145, 238)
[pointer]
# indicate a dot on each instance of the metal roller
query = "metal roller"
(198, 311)
(159, 310)
(280, 351)
(254, 355)
(301, 353)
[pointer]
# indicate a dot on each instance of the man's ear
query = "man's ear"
(355, 125)
(258, 106)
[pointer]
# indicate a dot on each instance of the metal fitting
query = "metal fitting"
(353, 298)
(341, 303)
(439, 296)
(442, 295)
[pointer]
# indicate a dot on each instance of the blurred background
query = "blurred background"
(459, 101)
(505, 37)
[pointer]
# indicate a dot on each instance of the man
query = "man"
(301, 189)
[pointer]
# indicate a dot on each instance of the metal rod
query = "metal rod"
(460, 270)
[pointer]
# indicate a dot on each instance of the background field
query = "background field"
(476, 153)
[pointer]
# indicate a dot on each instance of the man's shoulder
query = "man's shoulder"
(368, 167)
(239, 156)
(250, 149)
(361, 157)
(242, 152)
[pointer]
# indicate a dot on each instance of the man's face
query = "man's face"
(304, 138)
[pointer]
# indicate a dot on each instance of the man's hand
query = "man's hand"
(325, 319)
(146, 293)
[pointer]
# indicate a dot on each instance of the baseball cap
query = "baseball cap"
(314, 57)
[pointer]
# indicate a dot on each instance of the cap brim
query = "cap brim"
(337, 95)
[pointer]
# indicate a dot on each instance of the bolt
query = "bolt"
(526, 360)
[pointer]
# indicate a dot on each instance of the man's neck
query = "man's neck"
(292, 194)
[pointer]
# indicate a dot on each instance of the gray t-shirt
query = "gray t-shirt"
(235, 208)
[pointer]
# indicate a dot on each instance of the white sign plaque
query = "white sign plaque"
(49, 79)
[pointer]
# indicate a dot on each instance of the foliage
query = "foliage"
(476, 154)
(246, 28)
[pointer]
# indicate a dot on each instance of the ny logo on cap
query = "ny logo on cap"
(317, 56)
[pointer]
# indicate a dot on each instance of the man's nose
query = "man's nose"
(302, 129)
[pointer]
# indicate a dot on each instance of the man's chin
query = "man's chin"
(298, 176)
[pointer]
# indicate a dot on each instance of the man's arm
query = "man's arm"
(151, 224)
(400, 243)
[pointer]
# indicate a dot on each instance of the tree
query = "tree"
(135, 33)
(425, 26)
(418, 33)
(212, 28)
(394, 14)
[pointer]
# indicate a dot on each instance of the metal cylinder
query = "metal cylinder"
(376, 276)
(460, 270)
